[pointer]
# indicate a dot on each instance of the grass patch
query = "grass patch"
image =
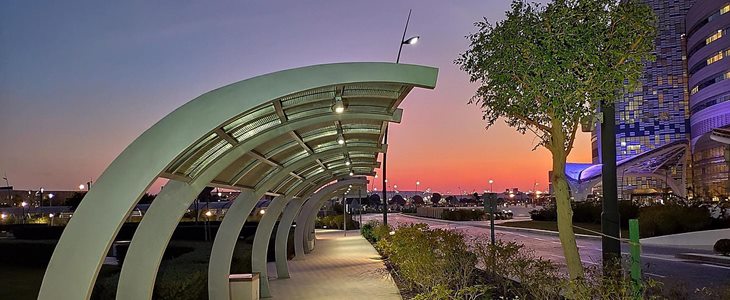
(553, 226)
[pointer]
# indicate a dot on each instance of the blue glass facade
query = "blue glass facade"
(657, 113)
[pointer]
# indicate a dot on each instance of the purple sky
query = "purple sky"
(80, 80)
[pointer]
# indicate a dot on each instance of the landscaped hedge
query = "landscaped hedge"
(336, 222)
(26, 253)
(462, 214)
(670, 219)
(442, 264)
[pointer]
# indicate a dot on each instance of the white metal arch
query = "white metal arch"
(192, 138)
(263, 235)
(153, 233)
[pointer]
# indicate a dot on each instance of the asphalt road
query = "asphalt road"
(659, 263)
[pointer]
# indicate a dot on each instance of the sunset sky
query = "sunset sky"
(80, 81)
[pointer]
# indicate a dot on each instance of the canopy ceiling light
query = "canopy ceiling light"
(339, 106)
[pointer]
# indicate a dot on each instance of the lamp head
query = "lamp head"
(339, 106)
(411, 40)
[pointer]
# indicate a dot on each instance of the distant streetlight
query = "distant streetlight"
(81, 187)
(208, 214)
(51, 216)
(263, 211)
(491, 185)
(417, 184)
(24, 205)
(50, 199)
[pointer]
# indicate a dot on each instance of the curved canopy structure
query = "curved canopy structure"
(285, 134)
(721, 135)
(583, 177)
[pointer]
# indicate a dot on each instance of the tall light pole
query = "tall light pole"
(609, 217)
(491, 186)
(417, 184)
(403, 41)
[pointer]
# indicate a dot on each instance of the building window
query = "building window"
(725, 9)
(713, 37)
(714, 58)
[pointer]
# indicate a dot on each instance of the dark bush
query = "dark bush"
(670, 219)
(722, 246)
(26, 253)
(549, 213)
(587, 212)
(462, 214)
(368, 232)
(336, 222)
(627, 210)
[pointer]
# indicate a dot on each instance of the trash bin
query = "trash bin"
(244, 286)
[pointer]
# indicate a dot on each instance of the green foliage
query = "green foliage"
(518, 271)
(553, 64)
(368, 232)
(462, 214)
(336, 222)
(670, 219)
(547, 68)
(426, 258)
(26, 253)
(442, 292)
(722, 246)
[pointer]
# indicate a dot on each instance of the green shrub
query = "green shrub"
(722, 246)
(367, 231)
(426, 258)
(336, 222)
(587, 212)
(670, 219)
(549, 213)
(462, 214)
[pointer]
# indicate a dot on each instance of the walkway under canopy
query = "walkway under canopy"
(656, 163)
(301, 135)
(341, 267)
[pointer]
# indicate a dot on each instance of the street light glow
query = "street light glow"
(24, 204)
(340, 139)
(208, 213)
(411, 40)
(339, 106)
(82, 187)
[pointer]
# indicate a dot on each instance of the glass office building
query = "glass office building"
(708, 48)
(657, 113)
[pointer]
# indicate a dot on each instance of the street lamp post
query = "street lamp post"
(403, 41)
(23, 205)
(417, 184)
(491, 185)
(50, 199)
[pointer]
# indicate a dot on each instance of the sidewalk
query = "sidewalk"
(339, 268)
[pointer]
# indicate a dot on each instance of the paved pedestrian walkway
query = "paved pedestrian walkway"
(340, 267)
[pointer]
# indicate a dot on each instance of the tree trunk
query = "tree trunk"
(565, 215)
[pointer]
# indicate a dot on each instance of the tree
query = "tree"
(374, 199)
(546, 68)
(435, 198)
(451, 200)
(417, 200)
(397, 200)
